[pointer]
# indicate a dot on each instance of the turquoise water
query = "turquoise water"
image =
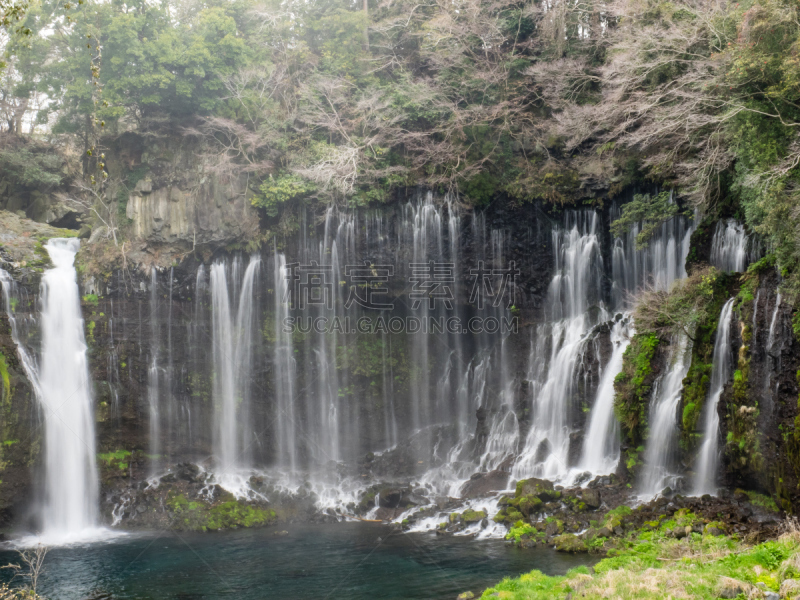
(353, 561)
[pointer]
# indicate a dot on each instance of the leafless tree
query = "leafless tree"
(31, 567)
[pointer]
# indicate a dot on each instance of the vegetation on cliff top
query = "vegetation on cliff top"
(510, 100)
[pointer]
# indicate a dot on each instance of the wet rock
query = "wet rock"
(390, 498)
(482, 483)
(465, 596)
(415, 499)
(583, 478)
(187, 472)
(280, 533)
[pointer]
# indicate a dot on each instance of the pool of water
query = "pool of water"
(347, 560)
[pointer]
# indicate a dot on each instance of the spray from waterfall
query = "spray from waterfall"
(708, 458)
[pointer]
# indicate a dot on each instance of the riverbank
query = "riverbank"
(674, 560)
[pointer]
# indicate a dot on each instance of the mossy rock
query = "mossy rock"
(529, 505)
(227, 514)
(473, 516)
(541, 488)
(715, 528)
(571, 543)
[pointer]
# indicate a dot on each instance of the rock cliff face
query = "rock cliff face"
(212, 213)
(148, 314)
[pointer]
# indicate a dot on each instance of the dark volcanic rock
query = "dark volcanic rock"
(484, 483)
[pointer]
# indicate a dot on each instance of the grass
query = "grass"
(655, 566)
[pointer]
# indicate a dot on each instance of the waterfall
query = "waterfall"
(575, 287)
(729, 246)
(601, 445)
(706, 471)
(284, 371)
(773, 361)
(662, 419)
(659, 264)
(232, 341)
(153, 379)
(66, 396)
(62, 386)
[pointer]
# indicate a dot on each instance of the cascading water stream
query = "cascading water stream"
(708, 458)
(285, 369)
(662, 418)
(601, 444)
(576, 286)
(729, 246)
(659, 264)
(153, 400)
(232, 335)
(71, 488)
(61, 381)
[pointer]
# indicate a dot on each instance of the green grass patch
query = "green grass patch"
(654, 566)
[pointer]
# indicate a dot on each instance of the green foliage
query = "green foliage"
(682, 309)
(279, 190)
(91, 299)
(649, 212)
(32, 169)
(520, 529)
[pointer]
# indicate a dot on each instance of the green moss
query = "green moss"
(473, 516)
(227, 514)
(761, 500)
(117, 459)
(696, 382)
(632, 385)
(5, 379)
(91, 299)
